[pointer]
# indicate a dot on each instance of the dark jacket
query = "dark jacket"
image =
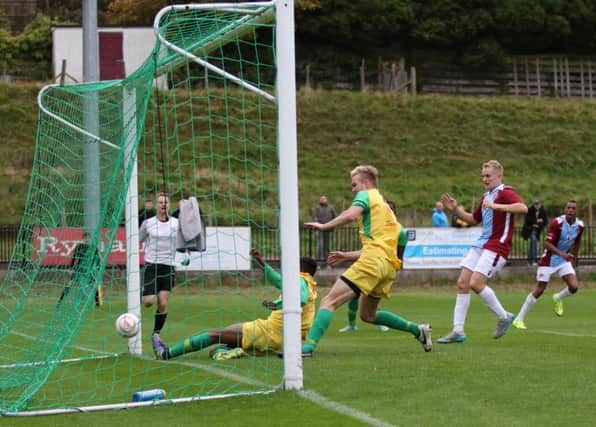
(531, 223)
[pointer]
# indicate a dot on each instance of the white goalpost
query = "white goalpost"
(211, 113)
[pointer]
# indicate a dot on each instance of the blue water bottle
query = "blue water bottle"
(154, 394)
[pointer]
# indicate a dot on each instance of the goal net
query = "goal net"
(198, 119)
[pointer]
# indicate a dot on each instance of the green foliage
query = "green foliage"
(35, 42)
(29, 52)
(480, 33)
(7, 48)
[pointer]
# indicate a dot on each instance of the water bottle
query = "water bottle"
(154, 394)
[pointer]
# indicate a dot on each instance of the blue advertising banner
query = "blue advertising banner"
(438, 247)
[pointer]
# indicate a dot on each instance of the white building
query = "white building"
(121, 51)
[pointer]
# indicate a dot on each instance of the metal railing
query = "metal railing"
(343, 238)
(347, 239)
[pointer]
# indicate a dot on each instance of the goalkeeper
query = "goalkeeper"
(260, 335)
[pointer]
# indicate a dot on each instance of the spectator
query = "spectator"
(439, 217)
(535, 221)
(323, 213)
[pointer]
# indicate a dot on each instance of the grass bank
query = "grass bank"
(422, 146)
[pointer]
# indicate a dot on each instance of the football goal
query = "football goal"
(209, 118)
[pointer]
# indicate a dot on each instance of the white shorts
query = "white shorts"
(543, 273)
(483, 261)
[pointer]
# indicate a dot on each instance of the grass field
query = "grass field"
(540, 377)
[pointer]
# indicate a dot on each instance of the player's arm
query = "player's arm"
(575, 248)
(338, 257)
(402, 241)
(452, 204)
(272, 277)
(553, 249)
(278, 303)
(143, 232)
(515, 208)
(345, 217)
(509, 201)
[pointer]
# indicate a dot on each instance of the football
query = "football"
(127, 325)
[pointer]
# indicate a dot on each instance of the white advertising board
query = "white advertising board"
(438, 247)
(228, 248)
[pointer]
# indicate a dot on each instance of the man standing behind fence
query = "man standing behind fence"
(323, 213)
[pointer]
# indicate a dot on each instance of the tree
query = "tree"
(142, 12)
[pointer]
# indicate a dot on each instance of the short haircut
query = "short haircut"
(570, 201)
(308, 265)
(495, 165)
(163, 194)
(367, 172)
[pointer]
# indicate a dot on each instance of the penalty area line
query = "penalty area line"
(564, 334)
(342, 409)
(309, 395)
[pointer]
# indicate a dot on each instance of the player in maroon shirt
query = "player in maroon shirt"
(489, 254)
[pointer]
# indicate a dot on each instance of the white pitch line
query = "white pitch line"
(305, 394)
(565, 334)
(309, 395)
(342, 409)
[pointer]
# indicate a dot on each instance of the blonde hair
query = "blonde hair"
(495, 165)
(367, 172)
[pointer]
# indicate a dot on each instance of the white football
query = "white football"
(127, 325)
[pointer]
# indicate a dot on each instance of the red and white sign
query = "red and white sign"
(55, 247)
(228, 248)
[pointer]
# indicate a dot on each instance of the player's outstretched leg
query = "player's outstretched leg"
(460, 311)
(452, 337)
(503, 325)
(422, 332)
(317, 330)
(188, 345)
(529, 302)
(352, 312)
(162, 352)
(557, 306)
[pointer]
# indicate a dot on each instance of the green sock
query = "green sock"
(352, 311)
(190, 344)
(395, 322)
(318, 328)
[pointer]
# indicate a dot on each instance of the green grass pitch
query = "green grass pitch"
(544, 376)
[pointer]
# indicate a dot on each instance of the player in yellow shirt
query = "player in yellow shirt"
(371, 275)
(353, 304)
(257, 336)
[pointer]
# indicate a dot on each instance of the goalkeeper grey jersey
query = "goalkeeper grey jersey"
(160, 240)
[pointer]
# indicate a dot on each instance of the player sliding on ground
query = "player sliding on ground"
(258, 336)
(561, 247)
(371, 275)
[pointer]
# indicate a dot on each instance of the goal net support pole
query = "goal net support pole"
(288, 178)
